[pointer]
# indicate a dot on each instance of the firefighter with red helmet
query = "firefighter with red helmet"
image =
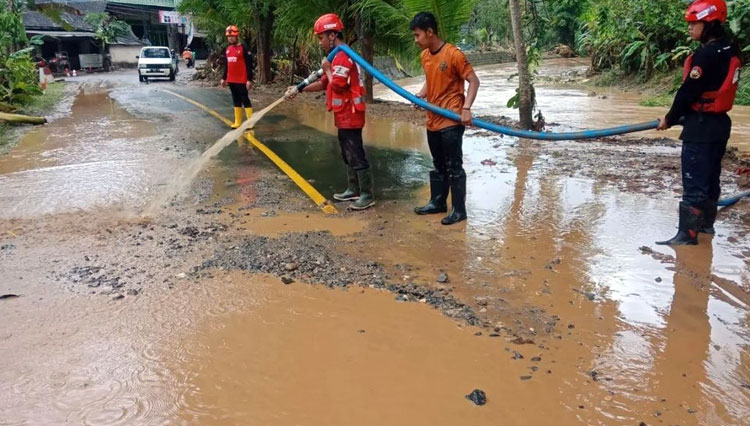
(710, 82)
(238, 74)
(345, 96)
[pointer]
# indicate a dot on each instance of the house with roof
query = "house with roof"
(66, 34)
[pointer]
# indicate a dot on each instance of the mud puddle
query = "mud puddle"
(269, 223)
(315, 154)
(245, 349)
(316, 357)
(99, 155)
(552, 255)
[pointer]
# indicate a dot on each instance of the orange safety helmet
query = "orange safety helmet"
(232, 31)
(707, 11)
(328, 22)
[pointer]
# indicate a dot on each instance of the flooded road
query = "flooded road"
(185, 319)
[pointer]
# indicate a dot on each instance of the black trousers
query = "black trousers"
(701, 172)
(352, 149)
(240, 97)
(446, 147)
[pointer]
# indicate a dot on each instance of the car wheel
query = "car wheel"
(171, 76)
(141, 78)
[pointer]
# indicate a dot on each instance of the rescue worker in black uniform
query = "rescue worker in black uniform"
(710, 82)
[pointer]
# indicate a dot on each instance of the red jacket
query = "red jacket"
(345, 94)
(238, 64)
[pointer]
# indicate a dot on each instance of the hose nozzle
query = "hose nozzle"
(312, 78)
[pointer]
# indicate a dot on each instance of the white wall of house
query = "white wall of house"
(124, 55)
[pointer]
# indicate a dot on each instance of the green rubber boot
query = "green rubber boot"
(366, 197)
(352, 189)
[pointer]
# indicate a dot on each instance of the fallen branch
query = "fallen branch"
(22, 119)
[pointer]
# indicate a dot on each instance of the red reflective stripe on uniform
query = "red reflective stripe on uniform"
(345, 93)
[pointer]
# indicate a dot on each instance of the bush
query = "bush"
(743, 94)
(19, 80)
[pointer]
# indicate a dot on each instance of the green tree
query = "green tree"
(636, 36)
(490, 20)
(107, 28)
(256, 20)
(362, 20)
(390, 21)
(563, 20)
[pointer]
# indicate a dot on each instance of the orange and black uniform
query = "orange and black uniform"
(238, 70)
(446, 71)
(705, 134)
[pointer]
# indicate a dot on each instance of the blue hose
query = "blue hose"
(525, 134)
(729, 201)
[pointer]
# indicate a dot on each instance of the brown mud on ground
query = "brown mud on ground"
(367, 361)
(555, 301)
(268, 223)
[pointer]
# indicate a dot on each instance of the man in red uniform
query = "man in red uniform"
(345, 96)
(238, 74)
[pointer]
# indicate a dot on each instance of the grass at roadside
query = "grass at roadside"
(664, 100)
(39, 106)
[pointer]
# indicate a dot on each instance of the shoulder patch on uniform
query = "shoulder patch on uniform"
(340, 71)
(696, 72)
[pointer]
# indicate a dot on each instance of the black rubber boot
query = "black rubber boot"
(352, 189)
(691, 220)
(366, 197)
(709, 217)
(458, 201)
(438, 195)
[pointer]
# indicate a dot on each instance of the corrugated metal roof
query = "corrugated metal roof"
(85, 6)
(62, 34)
(33, 19)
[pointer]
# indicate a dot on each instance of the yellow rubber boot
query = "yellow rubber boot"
(248, 112)
(237, 118)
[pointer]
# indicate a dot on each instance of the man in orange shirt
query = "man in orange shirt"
(446, 70)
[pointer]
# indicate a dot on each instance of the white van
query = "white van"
(157, 62)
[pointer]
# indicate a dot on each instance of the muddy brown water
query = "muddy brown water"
(248, 350)
(659, 338)
(99, 154)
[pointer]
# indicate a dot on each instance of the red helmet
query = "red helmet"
(328, 22)
(707, 11)
(233, 31)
